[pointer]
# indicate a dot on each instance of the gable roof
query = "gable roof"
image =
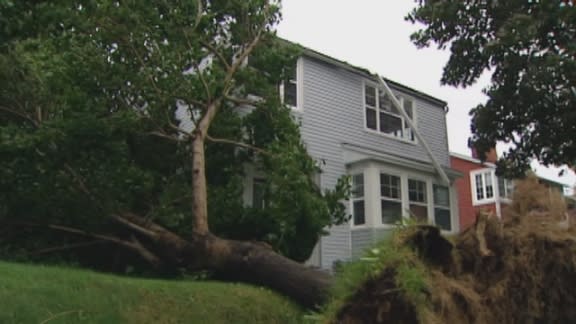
(366, 73)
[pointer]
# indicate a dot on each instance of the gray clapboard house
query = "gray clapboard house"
(399, 168)
(351, 125)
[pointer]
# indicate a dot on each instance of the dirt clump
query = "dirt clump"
(521, 269)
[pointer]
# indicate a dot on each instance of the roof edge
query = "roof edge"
(366, 73)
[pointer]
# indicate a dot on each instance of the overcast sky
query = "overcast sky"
(373, 34)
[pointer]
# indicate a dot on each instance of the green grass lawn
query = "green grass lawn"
(39, 294)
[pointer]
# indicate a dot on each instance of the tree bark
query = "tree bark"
(256, 263)
(199, 192)
(249, 262)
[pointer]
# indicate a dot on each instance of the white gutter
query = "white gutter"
(421, 140)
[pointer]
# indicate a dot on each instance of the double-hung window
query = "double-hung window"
(390, 198)
(358, 206)
(381, 114)
(442, 217)
(289, 87)
(418, 202)
(482, 186)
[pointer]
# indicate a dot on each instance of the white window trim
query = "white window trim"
(299, 87)
(372, 197)
(377, 131)
(401, 200)
(352, 200)
(427, 195)
(495, 195)
(451, 208)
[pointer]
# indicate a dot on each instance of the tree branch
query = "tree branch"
(247, 51)
(219, 55)
(133, 245)
(21, 115)
(80, 232)
(243, 101)
(199, 12)
(68, 247)
(239, 144)
(165, 136)
(139, 229)
(82, 185)
(203, 81)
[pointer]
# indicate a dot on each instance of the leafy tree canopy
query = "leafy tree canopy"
(88, 130)
(529, 46)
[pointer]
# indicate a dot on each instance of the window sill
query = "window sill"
(378, 226)
(483, 202)
(399, 139)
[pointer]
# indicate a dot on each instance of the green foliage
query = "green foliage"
(61, 295)
(88, 129)
(529, 47)
(392, 257)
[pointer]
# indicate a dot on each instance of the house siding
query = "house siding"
(364, 238)
(332, 113)
(467, 210)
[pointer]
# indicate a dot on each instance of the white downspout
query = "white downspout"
(421, 140)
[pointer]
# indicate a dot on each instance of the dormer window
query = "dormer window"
(383, 116)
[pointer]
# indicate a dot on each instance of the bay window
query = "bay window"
(418, 200)
(358, 207)
(390, 199)
(442, 215)
(383, 196)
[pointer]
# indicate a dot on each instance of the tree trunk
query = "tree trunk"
(256, 263)
(199, 192)
(249, 262)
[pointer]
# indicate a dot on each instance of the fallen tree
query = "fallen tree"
(131, 123)
(520, 270)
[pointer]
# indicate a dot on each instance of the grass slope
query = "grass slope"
(39, 294)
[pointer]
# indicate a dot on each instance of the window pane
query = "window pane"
(391, 212)
(371, 118)
(479, 187)
(419, 213)
(358, 212)
(408, 108)
(370, 96)
(389, 186)
(258, 193)
(416, 191)
(488, 183)
(384, 102)
(441, 196)
(290, 97)
(408, 133)
(390, 124)
(358, 185)
(442, 218)
(505, 187)
(291, 74)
